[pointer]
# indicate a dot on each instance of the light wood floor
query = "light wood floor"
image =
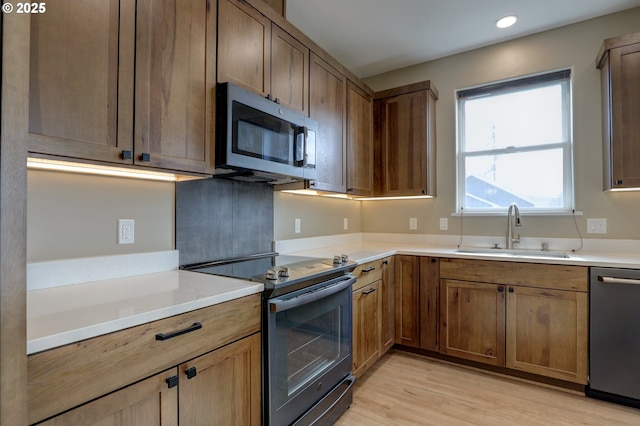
(407, 389)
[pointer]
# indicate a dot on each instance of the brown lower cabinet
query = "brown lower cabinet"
(523, 316)
(373, 321)
(209, 376)
(416, 281)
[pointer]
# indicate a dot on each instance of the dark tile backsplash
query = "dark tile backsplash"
(220, 219)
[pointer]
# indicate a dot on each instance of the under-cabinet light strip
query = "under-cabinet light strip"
(63, 166)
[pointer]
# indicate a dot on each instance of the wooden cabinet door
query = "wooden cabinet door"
(289, 70)
(625, 110)
(175, 78)
(388, 305)
(547, 332)
(429, 289)
(225, 387)
(81, 80)
(244, 46)
(472, 321)
(149, 402)
(327, 105)
(366, 326)
(359, 142)
(408, 300)
(407, 144)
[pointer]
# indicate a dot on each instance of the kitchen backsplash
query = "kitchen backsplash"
(220, 219)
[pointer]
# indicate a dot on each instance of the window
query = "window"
(514, 145)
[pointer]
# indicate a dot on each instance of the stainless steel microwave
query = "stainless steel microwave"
(260, 140)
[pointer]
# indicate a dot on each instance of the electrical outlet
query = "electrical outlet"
(597, 226)
(296, 226)
(126, 231)
(413, 223)
(444, 224)
(345, 223)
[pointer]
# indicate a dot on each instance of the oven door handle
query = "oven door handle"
(279, 305)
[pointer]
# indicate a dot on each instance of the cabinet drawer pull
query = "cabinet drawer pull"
(369, 269)
(371, 290)
(167, 336)
(172, 381)
(191, 372)
(385, 262)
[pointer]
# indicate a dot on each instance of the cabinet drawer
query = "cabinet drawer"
(68, 376)
(559, 277)
(367, 273)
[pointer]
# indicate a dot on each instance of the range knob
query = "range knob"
(345, 258)
(337, 260)
(283, 272)
(271, 275)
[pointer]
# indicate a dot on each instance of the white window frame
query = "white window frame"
(514, 85)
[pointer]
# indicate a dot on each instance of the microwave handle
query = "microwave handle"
(299, 147)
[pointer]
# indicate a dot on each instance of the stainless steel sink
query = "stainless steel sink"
(514, 252)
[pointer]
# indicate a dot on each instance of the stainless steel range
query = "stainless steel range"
(307, 331)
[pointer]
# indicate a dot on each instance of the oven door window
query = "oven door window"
(262, 136)
(311, 339)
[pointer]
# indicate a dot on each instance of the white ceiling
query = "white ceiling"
(371, 37)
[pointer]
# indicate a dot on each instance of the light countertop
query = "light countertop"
(61, 315)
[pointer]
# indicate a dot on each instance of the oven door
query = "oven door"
(307, 347)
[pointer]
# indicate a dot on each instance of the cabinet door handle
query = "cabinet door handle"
(172, 381)
(191, 372)
(126, 155)
(511, 290)
(369, 269)
(371, 290)
(145, 156)
(167, 336)
(500, 289)
(385, 262)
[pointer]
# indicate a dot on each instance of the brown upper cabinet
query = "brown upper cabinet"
(359, 142)
(118, 60)
(405, 141)
(261, 56)
(619, 64)
(328, 106)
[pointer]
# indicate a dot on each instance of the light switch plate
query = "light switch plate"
(413, 223)
(444, 224)
(597, 226)
(345, 223)
(296, 226)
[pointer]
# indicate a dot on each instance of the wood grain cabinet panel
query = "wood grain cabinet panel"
(472, 322)
(244, 46)
(359, 142)
(619, 64)
(81, 80)
(328, 106)
(405, 141)
(388, 305)
(226, 387)
(407, 300)
(175, 81)
(547, 332)
(367, 324)
(289, 70)
(150, 402)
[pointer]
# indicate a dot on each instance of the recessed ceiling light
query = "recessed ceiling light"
(507, 21)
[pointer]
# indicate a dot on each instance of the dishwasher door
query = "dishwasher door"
(614, 343)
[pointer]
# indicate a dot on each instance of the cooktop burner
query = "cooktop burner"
(279, 273)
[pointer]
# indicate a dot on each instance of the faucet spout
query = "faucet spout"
(513, 220)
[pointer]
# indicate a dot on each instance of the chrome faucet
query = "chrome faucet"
(511, 222)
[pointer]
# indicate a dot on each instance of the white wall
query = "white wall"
(574, 46)
(75, 215)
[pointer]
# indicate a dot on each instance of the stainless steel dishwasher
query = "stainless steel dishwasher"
(614, 343)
